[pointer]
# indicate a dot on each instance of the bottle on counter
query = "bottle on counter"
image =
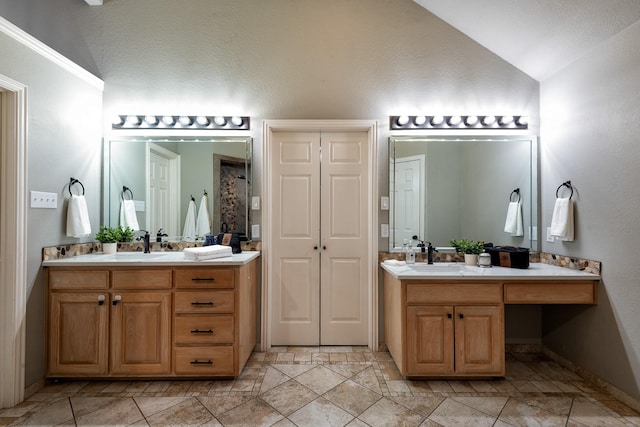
(411, 255)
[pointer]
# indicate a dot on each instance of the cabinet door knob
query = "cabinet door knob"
(449, 316)
(117, 299)
(315, 248)
(461, 316)
(100, 299)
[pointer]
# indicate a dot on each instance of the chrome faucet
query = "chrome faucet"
(145, 240)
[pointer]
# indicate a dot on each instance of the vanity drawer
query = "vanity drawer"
(78, 279)
(204, 302)
(210, 329)
(567, 292)
(141, 278)
(205, 278)
(204, 360)
(454, 293)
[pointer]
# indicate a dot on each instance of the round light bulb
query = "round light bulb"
(133, 120)
(151, 120)
(185, 120)
(220, 120)
(236, 120)
(522, 120)
(454, 120)
(471, 120)
(402, 120)
(420, 120)
(437, 120)
(505, 120)
(168, 120)
(117, 121)
(202, 120)
(488, 120)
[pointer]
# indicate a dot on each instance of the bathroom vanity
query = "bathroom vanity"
(447, 320)
(157, 315)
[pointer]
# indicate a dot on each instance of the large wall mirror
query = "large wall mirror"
(162, 175)
(444, 188)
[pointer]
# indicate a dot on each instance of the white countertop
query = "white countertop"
(444, 270)
(156, 259)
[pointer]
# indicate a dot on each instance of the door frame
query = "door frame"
(268, 128)
(174, 193)
(13, 238)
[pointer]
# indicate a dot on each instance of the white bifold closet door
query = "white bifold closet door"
(320, 238)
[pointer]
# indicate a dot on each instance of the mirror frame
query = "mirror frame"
(108, 196)
(534, 177)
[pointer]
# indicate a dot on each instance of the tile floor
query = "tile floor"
(331, 386)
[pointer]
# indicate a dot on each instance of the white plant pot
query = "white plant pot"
(109, 248)
(471, 259)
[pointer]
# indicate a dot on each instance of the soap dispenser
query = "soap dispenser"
(411, 255)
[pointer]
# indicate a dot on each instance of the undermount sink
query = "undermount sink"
(436, 267)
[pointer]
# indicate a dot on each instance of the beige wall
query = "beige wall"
(590, 135)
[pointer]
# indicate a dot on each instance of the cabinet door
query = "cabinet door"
(141, 333)
(77, 338)
(479, 340)
(430, 343)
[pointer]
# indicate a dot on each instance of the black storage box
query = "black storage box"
(509, 256)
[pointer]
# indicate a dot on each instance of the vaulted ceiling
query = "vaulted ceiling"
(540, 37)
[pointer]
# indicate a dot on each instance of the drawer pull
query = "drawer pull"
(203, 279)
(197, 362)
(198, 331)
(210, 303)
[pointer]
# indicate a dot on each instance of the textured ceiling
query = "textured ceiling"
(539, 37)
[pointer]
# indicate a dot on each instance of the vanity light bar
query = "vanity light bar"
(127, 121)
(458, 122)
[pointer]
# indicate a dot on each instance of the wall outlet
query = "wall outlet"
(384, 230)
(255, 231)
(42, 200)
(549, 236)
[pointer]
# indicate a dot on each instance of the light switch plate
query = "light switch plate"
(42, 200)
(384, 203)
(384, 230)
(255, 231)
(255, 203)
(549, 236)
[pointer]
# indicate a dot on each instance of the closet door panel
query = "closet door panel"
(295, 228)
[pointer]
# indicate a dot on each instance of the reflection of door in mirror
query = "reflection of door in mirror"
(409, 194)
(163, 190)
(230, 183)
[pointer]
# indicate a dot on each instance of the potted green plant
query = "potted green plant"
(110, 236)
(470, 248)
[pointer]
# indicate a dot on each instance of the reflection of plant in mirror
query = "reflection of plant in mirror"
(114, 234)
(468, 246)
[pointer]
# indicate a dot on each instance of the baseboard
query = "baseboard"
(593, 380)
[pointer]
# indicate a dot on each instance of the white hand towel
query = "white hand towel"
(128, 217)
(513, 224)
(189, 230)
(207, 252)
(78, 224)
(203, 223)
(562, 220)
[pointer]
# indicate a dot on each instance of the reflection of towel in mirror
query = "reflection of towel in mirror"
(562, 220)
(513, 224)
(128, 216)
(78, 224)
(203, 224)
(189, 230)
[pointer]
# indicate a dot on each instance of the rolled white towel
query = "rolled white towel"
(513, 223)
(207, 252)
(128, 217)
(78, 224)
(562, 226)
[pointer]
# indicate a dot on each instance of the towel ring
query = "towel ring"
(72, 182)
(565, 184)
(126, 189)
(517, 193)
(193, 198)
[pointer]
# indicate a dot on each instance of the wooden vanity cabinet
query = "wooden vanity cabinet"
(445, 329)
(150, 322)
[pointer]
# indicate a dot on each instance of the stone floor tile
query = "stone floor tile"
(320, 412)
(386, 412)
(518, 413)
(289, 397)
(120, 412)
(189, 412)
(255, 412)
(320, 379)
(422, 405)
(589, 414)
(453, 413)
(152, 405)
(352, 397)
